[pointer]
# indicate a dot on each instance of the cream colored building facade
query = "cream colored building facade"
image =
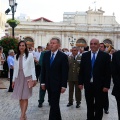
(79, 26)
(2, 20)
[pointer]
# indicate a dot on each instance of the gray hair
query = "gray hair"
(10, 51)
(74, 47)
(58, 40)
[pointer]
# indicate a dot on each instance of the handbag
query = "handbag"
(30, 83)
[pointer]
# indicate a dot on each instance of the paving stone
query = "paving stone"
(9, 108)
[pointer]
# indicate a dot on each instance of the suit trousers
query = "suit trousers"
(42, 95)
(55, 113)
(37, 70)
(73, 84)
(106, 101)
(94, 103)
(11, 77)
(118, 105)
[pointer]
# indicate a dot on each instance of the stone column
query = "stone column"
(62, 40)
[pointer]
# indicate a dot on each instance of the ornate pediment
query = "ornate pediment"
(41, 19)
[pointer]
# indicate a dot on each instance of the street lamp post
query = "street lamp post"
(22, 38)
(13, 5)
(72, 41)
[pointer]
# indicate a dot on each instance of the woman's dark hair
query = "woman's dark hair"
(18, 51)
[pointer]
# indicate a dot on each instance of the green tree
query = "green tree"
(8, 43)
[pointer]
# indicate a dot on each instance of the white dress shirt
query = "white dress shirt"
(95, 54)
(54, 53)
(37, 55)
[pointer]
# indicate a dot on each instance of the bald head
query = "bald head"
(95, 40)
(94, 45)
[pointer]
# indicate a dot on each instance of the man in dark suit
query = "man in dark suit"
(95, 76)
(54, 76)
(41, 91)
(116, 79)
(105, 94)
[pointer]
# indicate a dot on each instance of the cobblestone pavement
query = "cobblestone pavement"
(9, 108)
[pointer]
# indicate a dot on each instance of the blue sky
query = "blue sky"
(54, 9)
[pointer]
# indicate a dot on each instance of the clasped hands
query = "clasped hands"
(35, 82)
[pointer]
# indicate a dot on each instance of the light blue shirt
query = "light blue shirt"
(10, 61)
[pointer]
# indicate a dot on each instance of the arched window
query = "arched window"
(107, 41)
(29, 41)
(81, 43)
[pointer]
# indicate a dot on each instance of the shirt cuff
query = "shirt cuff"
(43, 84)
(63, 87)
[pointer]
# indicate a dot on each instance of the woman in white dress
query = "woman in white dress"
(24, 70)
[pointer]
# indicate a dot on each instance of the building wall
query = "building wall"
(2, 21)
(92, 24)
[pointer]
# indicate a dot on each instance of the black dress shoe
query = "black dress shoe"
(10, 90)
(69, 104)
(78, 105)
(39, 105)
(106, 112)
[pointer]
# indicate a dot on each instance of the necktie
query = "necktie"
(52, 58)
(74, 57)
(92, 62)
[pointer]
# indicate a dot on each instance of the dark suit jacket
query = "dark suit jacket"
(116, 73)
(56, 75)
(101, 70)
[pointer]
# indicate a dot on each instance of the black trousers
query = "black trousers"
(55, 113)
(94, 100)
(11, 77)
(118, 105)
(105, 101)
(37, 70)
